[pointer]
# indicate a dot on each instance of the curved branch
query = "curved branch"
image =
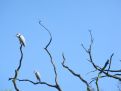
(75, 74)
(49, 35)
(51, 59)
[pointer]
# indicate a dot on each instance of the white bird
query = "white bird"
(37, 74)
(21, 39)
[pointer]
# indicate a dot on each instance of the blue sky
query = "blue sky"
(68, 21)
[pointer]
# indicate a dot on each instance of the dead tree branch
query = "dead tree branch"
(102, 70)
(36, 83)
(75, 74)
(15, 78)
(17, 70)
(51, 59)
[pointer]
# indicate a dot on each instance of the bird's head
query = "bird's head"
(18, 34)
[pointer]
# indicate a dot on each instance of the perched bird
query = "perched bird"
(37, 74)
(106, 63)
(21, 39)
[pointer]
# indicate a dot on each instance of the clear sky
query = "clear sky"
(68, 21)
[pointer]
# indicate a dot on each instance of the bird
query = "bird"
(106, 63)
(21, 39)
(37, 74)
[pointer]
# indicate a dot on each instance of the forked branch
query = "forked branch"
(51, 59)
(102, 70)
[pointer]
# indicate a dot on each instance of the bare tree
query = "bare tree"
(104, 71)
(15, 78)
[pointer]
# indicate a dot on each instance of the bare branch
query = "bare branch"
(113, 70)
(97, 84)
(51, 59)
(49, 34)
(75, 74)
(36, 83)
(90, 47)
(17, 70)
(20, 58)
(91, 71)
(101, 70)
